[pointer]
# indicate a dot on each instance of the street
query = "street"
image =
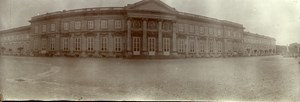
(266, 78)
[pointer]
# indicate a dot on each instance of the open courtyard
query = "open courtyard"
(267, 78)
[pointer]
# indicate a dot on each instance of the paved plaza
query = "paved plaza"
(267, 78)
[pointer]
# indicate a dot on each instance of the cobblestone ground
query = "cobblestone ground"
(271, 78)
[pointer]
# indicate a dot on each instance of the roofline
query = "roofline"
(22, 28)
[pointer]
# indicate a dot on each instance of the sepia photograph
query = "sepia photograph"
(150, 50)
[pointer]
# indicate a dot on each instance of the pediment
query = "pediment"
(151, 5)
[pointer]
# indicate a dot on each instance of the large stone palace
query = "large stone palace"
(149, 28)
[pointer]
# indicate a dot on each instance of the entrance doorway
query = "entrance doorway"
(151, 46)
(166, 46)
(136, 41)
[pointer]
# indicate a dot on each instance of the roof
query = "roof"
(22, 28)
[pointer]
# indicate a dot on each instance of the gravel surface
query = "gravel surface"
(268, 78)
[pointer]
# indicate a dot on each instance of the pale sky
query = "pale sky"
(279, 19)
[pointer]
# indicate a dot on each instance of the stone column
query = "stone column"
(71, 43)
(110, 43)
(145, 36)
(225, 47)
(83, 45)
(174, 39)
(215, 47)
(187, 46)
(129, 35)
(57, 44)
(97, 47)
(206, 47)
(197, 46)
(160, 36)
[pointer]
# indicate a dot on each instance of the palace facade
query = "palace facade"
(148, 28)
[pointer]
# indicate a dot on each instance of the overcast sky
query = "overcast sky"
(275, 18)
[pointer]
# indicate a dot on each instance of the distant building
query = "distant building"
(15, 41)
(148, 28)
(255, 44)
(281, 50)
(294, 49)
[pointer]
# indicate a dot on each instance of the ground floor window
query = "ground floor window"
(35, 44)
(117, 44)
(151, 44)
(90, 43)
(192, 45)
(166, 44)
(202, 46)
(103, 43)
(65, 44)
(44, 44)
(219, 45)
(181, 45)
(52, 44)
(77, 44)
(136, 44)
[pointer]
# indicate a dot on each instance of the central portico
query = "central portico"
(150, 31)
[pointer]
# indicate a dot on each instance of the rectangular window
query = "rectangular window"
(35, 44)
(44, 28)
(77, 44)
(192, 29)
(52, 44)
(202, 46)
(90, 24)
(52, 27)
(211, 31)
(90, 43)
(180, 27)
(103, 24)
(166, 44)
(215, 31)
(118, 24)
(78, 25)
(117, 43)
(65, 44)
(44, 44)
(103, 44)
(219, 32)
(181, 45)
(36, 29)
(197, 29)
(219, 43)
(66, 26)
(201, 30)
(192, 46)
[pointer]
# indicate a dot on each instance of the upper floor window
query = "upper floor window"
(66, 26)
(219, 32)
(136, 24)
(211, 31)
(201, 30)
(118, 24)
(44, 28)
(152, 25)
(103, 24)
(52, 27)
(197, 29)
(36, 29)
(90, 24)
(180, 27)
(78, 25)
(167, 26)
(192, 29)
